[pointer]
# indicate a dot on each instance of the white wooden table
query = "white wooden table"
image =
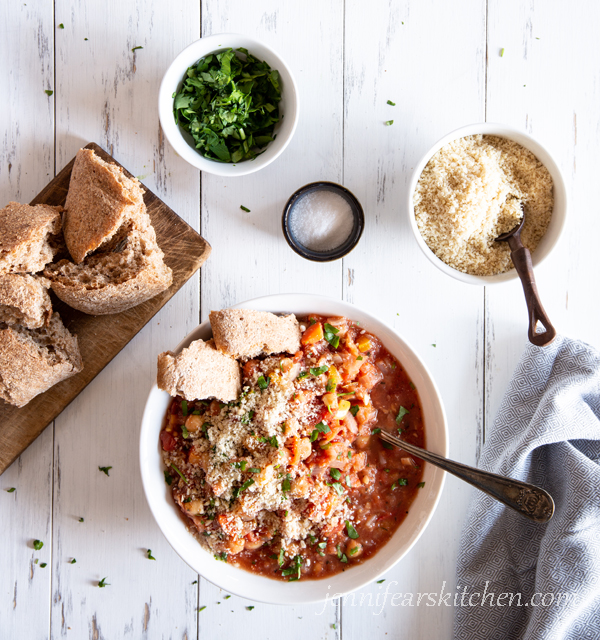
(440, 63)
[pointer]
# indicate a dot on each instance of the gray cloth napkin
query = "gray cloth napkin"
(547, 432)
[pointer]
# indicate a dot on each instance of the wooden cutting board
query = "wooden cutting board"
(100, 337)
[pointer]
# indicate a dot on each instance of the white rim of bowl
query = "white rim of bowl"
(173, 78)
(281, 303)
(555, 229)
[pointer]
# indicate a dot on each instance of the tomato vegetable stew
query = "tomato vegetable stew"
(290, 480)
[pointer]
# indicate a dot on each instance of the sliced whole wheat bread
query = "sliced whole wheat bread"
(26, 243)
(33, 360)
(244, 333)
(100, 200)
(24, 300)
(199, 372)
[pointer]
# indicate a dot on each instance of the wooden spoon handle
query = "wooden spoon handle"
(522, 260)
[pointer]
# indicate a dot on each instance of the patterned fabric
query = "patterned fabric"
(547, 432)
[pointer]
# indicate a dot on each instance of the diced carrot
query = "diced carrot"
(313, 333)
(363, 343)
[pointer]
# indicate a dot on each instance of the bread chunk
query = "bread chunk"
(26, 236)
(114, 281)
(100, 200)
(243, 333)
(199, 372)
(24, 300)
(33, 360)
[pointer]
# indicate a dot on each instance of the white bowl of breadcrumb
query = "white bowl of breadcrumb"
(235, 580)
(474, 185)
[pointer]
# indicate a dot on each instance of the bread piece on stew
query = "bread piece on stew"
(199, 372)
(243, 333)
(24, 300)
(33, 360)
(100, 200)
(26, 236)
(114, 281)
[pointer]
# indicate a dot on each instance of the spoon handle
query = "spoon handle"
(527, 499)
(521, 258)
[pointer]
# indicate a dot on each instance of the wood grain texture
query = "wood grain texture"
(100, 338)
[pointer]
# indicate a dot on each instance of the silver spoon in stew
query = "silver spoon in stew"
(521, 258)
(529, 500)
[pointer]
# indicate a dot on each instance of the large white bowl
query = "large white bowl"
(183, 143)
(255, 587)
(559, 213)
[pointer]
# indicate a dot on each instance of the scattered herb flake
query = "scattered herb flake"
(73, 561)
(502, 52)
(380, 581)
(168, 480)
(250, 607)
(393, 104)
(402, 482)
(48, 92)
(105, 469)
(302, 374)
(103, 583)
(184, 432)
(335, 474)
(412, 386)
(322, 427)
(61, 26)
(389, 123)
(43, 565)
(354, 409)
(352, 532)
(253, 470)
(37, 544)
(184, 408)
(317, 371)
(226, 597)
(243, 208)
(401, 413)
(421, 485)
(195, 582)
(221, 556)
(201, 608)
(263, 382)
(150, 556)
(136, 48)
(179, 472)
(281, 557)
(330, 333)
(376, 431)
(433, 344)
(81, 520)
(11, 490)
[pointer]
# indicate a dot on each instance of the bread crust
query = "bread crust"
(33, 360)
(26, 236)
(199, 372)
(245, 333)
(24, 300)
(100, 200)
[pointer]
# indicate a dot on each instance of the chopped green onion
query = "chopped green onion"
(184, 432)
(179, 472)
(184, 407)
(502, 52)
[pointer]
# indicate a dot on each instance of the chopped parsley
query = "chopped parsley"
(281, 557)
(322, 428)
(317, 371)
(229, 105)
(103, 583)
(354, 409)
(136, 48)
(184, 432)
(359, 357)
(375, 431)
(248, 483)
(352, 532)
(341, 556)
(393, 104)
(221, 556)
(337, 487)
(401, 413)
(150, 556)
(330, 333)
(253, 470)
(412, 386)
(48, 92)
(226, 597)
(389, 123)
(353, 551)
(380, 581)
(249, 607)
(61, 26)
(243, 208)
(246, 419)
(104, 469)
(402, 482)
(184, 408)
(43, 565)
(37, 544)
(335, 474)
(201, 608)
(80, 519)
(263, 382)
(179, 472)
(168, 480)
(73, 561)
(421, 485)
(11, 490)
(286, 485)
(302, 374)
(294, 568)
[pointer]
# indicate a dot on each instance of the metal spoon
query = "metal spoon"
(527, 499)
(521, 258)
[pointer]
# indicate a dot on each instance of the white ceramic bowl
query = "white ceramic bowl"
(559, 213)
(255, 587)
(183, 143)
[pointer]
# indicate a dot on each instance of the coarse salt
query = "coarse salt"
(321, 220)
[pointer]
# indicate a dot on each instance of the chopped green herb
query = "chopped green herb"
(302, 374)
(263, 382)
(421, 485)
(330, 385)
(435, 345)
(380, 581)
(353, 551)
(184, 432)
(201, 608)
(11, 490)
(317, 371)
(195, 582)
(401, 413)
(338, 488)
(286, 485)
(386, 445)
(43, 565)
(246, 419)
(105, 469)
(195, 412)
(335, 474)
(502, 52)
(333, 626)
(402, 482)
(48, 92)
(243, 208)
(229, 106)
(136, 48)
(35, 561)
(80, 519)
(354, 409)
(295, 567)
(393, 104)
(61, 26)
(184, 408)
(103, 583)
(179, 472)
(250, 607)
(330, 335)
(394, 486)
(326, 445)
(351, 530)
(375, 431)
(168, 480)
(226, 597)
(221, 556)
(248, 483)
(253, 470)
(322, 428)
(150, 556)
(73, 561)
(359, 357)
(37, 544)
(389, 123)
(412, 386)
(341, 556)
(349, 453)
(314, 435)
(281, 558)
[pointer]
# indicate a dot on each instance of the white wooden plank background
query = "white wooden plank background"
(440, 63)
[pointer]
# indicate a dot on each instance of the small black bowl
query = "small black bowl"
(348, 244)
